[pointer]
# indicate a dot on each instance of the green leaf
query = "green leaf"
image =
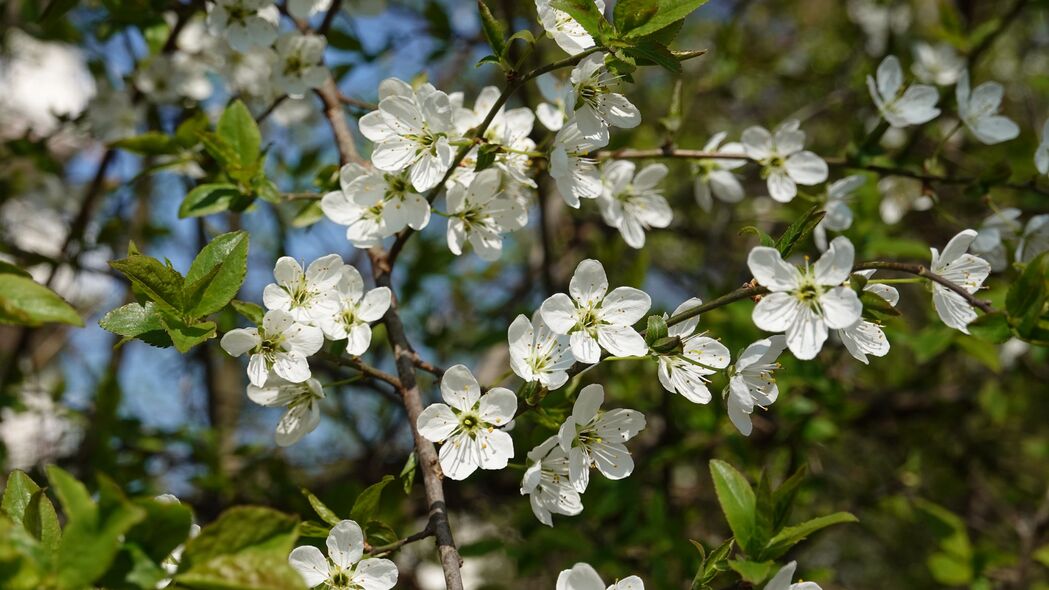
(763, 238)
(670, 12)
(187, 134)
(584, 12)
(799, 230)
(206, 199)
(238, 129)
(8, 268)
(322, 510)
(656, 329)
(252, 311)
(246, 548)
(27, 505)
(308, 214)
(992, 327)
(150, 143)
(494, 29)
(649, 52)
(631, 14)
(216, 274)
(367, 503)
(790, 536)
(783, 497)
(408, 472)
(314, 529)
(25, 302)
(92, 536)
(160, 283)
(754, 572)
(486, 156)
(187, 335)
(165, 527)
(877, 307)
(1026, 299)
(738, 503)
(133, 320)
(23, 562)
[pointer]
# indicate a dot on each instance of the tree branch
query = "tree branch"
(921, 271)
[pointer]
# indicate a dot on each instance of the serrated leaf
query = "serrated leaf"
(165, 527)
(1027, 297)
(327, 514)
(157, 281)
(783, 497)
(367, 503)
(25, 302)
(800, 229)
(308, 214)
(790, 536)
(670, 12)
(763, 238)
(185, 335)
(252, 311)
(238, 129)
(486, 157)
(206, 199)
(631, 14)
(216, 274)
(494, 29)
(649, 52)
(738, 503)
(132, 320)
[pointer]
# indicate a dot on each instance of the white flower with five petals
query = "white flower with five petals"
(785, 163)
(594, 318)
(302, 403)
(866, 337)
(913, 106)
(576, 173)
(245, 23)
(633, 204)
(714, 177)
(595, 438)
(978, 109)
(686, 372)
(307, 296)
(592, 101)
(481, 214)
(547, 485)
(356, 311)
(962, 269)
(469, 424)
(298, 67)
(280, 345)
(939, 64)
(838, 214)
(537, 354)
(1003, 224)
(805, 303)
(343, 568)
(583, 577)
(752, 382)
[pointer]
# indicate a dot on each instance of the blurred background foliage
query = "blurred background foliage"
(941, 448)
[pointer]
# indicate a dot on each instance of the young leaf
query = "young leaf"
(670, 12)
(26, 505)
(737, 502)
(252, 311)
(160, 283)
(366, 504)
(206, 199)
(238, 129)
(631, 14)
(25, 302)
(150, 143)
(754, 572)
(494, 29)
(322, 510)
(584, 12)
(783, 497)
(132, 320)
(216, 274)
(649, 52)
(165, 527)
(799, 230)
(790, 536)
(187, 335)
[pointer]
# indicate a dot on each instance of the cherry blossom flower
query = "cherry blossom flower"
(509, 129)
(302, 401)
(576, 173)
(1035, 239)
(373, 205)
(166, 79)
(584, 577)
(782, 580)
(280, 345)
(411, 131)
(633, 204)
(356, 311)
(866, 337)
(343, 568)
(1041, 155)
(901, 194)
(595, 106)
(715, 176)
(686, 372)
(785, 163)
(563, 29)
(937, 64)
(962, 269)
(298, 65)
(480, 214)
(553, 113)
(901, 108)
(1002, 225)
(593, 438)
(468, 425)
(547, 485)
(751, 381)
(978, 109)
(594, 319)
(804, 304)
(304, 9)
(244, 23)
(537, 353)
(112, 115)
(838, 216)
(306, 296)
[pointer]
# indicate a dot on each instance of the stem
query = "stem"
(387, 548)
(921, 271)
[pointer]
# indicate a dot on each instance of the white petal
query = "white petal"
(376, 574)
(496, 448)
(437, 422)
(310, 563)
(460, 456)
(768, 267)
(806, 335)
(240, 340)
(806, 168)
(459, 388)
(841, 307)
(498, 406)
(776, 312)
(589, 283)
(621, 341)
(559, 313)
(345, 543)
(588, 404)
(625, 306)
(835, 265)
(585, 348)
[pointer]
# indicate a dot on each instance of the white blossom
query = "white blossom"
(714, 177)
(576, 173)
(112, 115)
(785, 163)
(302, 401)
(595, 438)
(593, 103)
(989, 243)
(280, 345)
(537, 354)
(900, 194)
(355, 312)
(913, 106)
(469, 424)
(1035, 239)
(343, 568)
(563, 29)
(411, 130)
(804, 304)
(752, 382)
(782, 580)
(1041, 154)
(168, 78)
(547, 485)
(373, 205)
(937, 64)
(509, 129)
(553, 113)
(633, 204)
(686, 372)
(304, 9)
(298, 66)
(838, 214)
(584, 577)
(481, 214)
(594, 318)
(962, 269)
(307, 296)
(978, 109)
(865, 337)
(244, 23)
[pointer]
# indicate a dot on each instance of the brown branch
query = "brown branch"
(921, 271)
(427, 366)
(387, 548)
(329, 95)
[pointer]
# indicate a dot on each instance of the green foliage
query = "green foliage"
(322, 510)
(367, 503)
(667, 13)
(25, 302)
(799, 230)
(1027, 299)
(246, 548)
(26, 505)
